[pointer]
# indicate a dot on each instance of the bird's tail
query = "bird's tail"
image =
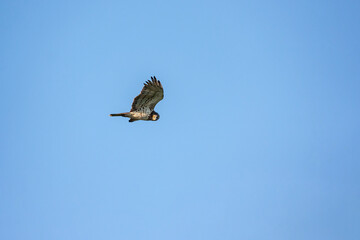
(120, 115)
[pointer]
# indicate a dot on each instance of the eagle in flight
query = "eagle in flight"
(143, 105)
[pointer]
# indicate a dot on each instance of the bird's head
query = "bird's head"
(154, 116)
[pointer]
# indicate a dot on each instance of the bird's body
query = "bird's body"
(144, 104)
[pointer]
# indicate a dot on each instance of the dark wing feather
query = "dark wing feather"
(150, 95)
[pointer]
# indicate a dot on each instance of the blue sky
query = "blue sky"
(258, 136)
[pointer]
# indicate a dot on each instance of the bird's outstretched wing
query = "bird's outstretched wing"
(150, 95)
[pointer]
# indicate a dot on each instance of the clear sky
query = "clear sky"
(258, 136)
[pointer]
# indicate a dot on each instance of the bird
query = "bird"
(143, 105)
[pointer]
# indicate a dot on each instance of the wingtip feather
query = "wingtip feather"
(152, 82)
